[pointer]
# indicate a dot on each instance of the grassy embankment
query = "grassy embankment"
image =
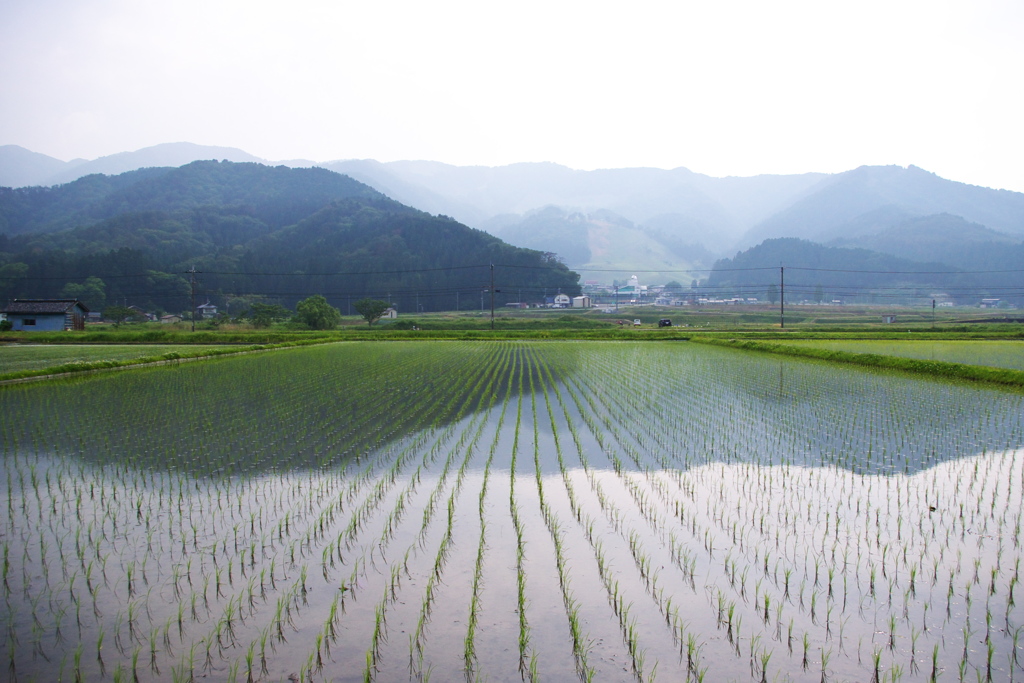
(738, 329)
(955, 371)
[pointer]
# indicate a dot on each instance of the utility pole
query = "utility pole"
(492, 296)
(782, 297)
(616, 298)
(933, 312)
(192, 282)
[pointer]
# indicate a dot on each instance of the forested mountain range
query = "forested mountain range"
(675, 224)
(808, 271)
(251, 231)
(883, 196)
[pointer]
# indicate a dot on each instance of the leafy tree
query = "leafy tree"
(371, 309)
(773, 293)
(317, 314)
(120, 314)
(265, 315)
(92, 293)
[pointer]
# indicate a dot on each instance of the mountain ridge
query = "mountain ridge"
(671, 213)
(255, 233)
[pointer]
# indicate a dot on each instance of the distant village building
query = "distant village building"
(581, 301)
(206, 310)
(170, 319)
(389, 313)
(46, 315)
(141, 314)
(888, 319)
(562, 301)
(633, 291)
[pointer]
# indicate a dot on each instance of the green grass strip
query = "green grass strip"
(93, 366)
(934, 368)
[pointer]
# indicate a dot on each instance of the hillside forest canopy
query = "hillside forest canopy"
(253, 234)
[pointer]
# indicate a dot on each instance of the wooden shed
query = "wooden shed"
(46, 315)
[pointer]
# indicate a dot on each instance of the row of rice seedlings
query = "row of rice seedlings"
(523, 640)
(469, 643)
(644, 562)
(391, 589)
(417, 639)
(648, 576)
(748, 480)
(223, 574)
(581, 642)
(398, 512)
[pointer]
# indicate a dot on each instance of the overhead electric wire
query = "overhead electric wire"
(152, 273)
(905, 272)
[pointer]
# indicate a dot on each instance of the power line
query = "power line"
(151, 273)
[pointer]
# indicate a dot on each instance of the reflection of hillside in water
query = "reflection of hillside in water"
(651, 405)
(757, 408)
(294, 409)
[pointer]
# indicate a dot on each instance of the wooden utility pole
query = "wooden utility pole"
(782, 297)
(192, 282)
(492, 296)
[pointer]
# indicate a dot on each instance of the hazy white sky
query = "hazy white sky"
(720, 87)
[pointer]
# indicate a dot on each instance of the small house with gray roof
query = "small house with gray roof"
(46, 315)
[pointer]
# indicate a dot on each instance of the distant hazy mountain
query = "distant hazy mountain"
(252, 231)
(20, 167)
(602, 245)
(618, 220)
(726, 207)
(169, 154)
(877, 197)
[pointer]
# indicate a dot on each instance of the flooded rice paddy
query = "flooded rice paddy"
(511, 511)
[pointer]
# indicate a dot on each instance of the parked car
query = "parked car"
(664, 322)
(636, 322)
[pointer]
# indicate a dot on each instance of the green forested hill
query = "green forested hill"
(279, 195)
(816, 272)
(252, 231)
(45, 209)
